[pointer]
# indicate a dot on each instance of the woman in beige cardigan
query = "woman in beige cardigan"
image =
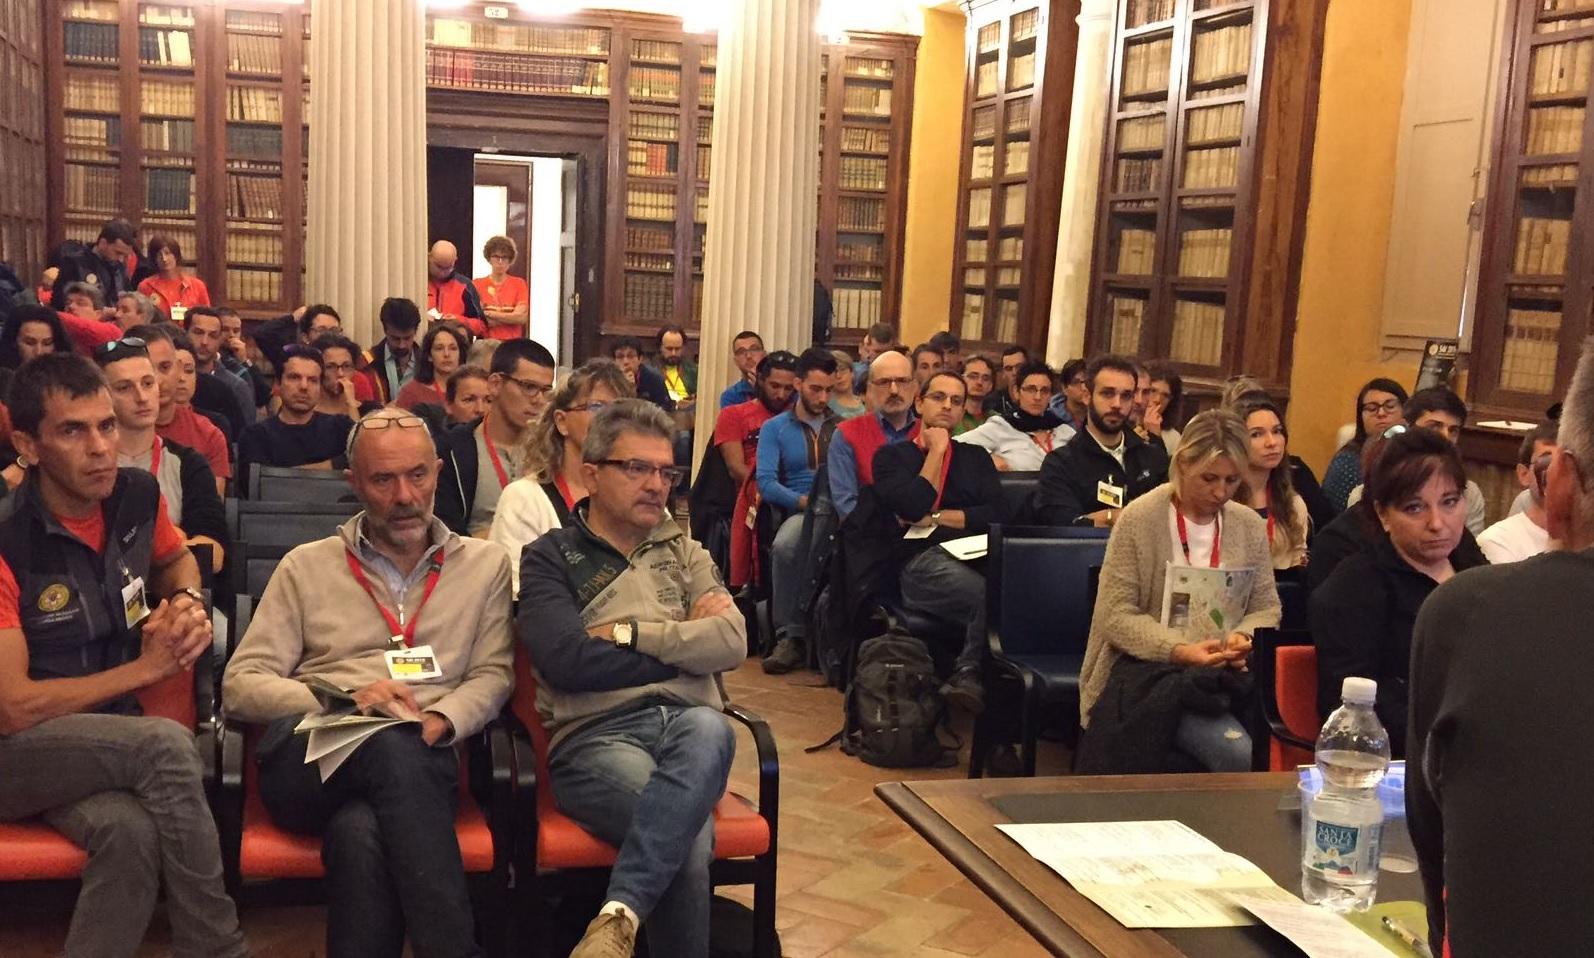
(1190, 520)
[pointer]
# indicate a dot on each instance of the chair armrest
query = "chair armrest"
(228, 806)
(492, 783)
(523, 759)
(768, 763)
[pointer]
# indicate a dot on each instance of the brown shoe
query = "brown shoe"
(609, 936)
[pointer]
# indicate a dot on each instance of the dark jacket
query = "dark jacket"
(1071, 475)
(971, 485)
(688, 373)
(1361, 621)
(213, 397)
(456, 484)
(203, 513)
(375, 372)
(1354, 530)
(80, 264)
(1311, 492)
(650, 386)
(1135, 719)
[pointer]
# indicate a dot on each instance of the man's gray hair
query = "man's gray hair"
(389, 413)
(620, 417)
(87, 289)
(146, 306)
(1576, 432)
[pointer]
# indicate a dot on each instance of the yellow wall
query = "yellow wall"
(933, 177)
(1347, 223)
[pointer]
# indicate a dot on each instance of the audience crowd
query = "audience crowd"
(488, 481)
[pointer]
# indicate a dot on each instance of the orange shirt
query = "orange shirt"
(512, 291)
(185, 291)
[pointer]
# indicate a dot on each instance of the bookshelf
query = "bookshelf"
(186, 119)
(1534, 292)
(1020, 57)
(866, 105)
(1209, 99)
(22, 138)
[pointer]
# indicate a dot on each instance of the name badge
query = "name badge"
(1110, 495)
(133, 603)
(412, 665)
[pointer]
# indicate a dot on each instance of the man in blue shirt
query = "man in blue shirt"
(747, 349)
(790, 448)
(850, 458)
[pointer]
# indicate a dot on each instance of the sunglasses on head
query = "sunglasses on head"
(129, 345)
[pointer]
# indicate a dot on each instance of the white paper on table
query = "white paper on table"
(968, 547)
(1317, 931)
(1160, 874)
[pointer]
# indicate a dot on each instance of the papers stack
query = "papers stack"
(341, 728)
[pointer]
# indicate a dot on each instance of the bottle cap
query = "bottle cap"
(1359, 691)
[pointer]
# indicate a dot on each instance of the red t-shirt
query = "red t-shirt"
(448, 298)
(89, 333)
(740, 423)
(513, 291)
(91, 529)
(184, 291)
(189, 428)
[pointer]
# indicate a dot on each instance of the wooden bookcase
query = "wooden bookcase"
(1194, 260)
(1535, 287)
(186, 119)
(866, 103)
(1020, 56)
(22, 112)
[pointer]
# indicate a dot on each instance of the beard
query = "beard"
(1099, 420)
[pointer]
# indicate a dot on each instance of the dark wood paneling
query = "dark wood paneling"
(450, 198)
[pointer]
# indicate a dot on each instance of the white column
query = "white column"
(758, 268)
(366, 213)
(1087, 130)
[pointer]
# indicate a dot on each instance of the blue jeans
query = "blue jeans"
(786, 561)
(1219, 742)
(647, 780)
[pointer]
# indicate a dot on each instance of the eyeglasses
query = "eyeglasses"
(378, 423)
(941, 397)
(750, 351)
(339, 367)
(126, 342)
(592, 407)
(638, 470)
(1374, 408)
(1035, 390)
(900, 383)
(534, 389)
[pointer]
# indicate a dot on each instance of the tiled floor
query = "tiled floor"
(854, 881)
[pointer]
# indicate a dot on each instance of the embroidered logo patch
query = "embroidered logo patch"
(54, 598)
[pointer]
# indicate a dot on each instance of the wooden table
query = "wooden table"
(1252, 815)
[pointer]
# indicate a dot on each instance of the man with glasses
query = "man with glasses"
(1526, 533)
(940, 490)
(628, 627)
(414, 621)
(1072, 405)
(298, 435)
(1105, 466)
(850, 459)
(481, 458)
(790, 448)
(747, 351)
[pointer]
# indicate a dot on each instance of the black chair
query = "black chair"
(1040, 594)
(276, 484)
(286, 523)
(1019, 488)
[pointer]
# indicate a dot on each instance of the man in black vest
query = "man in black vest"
(85, 552)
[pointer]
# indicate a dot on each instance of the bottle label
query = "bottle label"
(1344, 851)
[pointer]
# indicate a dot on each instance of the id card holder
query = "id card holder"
(134, 605)
(412, 665)
(1110, 495)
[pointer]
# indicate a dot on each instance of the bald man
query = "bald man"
(890, 419)
(449, 293)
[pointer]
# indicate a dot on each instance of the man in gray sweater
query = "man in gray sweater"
(628, 625)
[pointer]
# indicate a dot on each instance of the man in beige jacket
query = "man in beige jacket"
(358, 610)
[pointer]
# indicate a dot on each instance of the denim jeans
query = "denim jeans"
(386, 821)
(936, 584)
(786, 560)
(1219, 742)
(646, 780)
(128, 790)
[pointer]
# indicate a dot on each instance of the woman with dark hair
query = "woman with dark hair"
(442, 351)
(31, 331)
(1378, 406)
(1167, 395)
(1268, 484)
(1362, 616)
(171, 290)
(1019, 439)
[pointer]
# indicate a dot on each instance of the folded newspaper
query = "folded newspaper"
(340, 727)
(1204, 604)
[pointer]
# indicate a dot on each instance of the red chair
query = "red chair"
(33, 851)
(1286, 675)
(254, 849)
(745, 832)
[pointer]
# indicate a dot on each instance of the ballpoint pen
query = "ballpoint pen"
(1411, 938)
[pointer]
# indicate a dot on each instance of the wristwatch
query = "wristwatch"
(935, 517)
(192, 593)
(625, 633)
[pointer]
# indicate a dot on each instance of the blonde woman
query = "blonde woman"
(1190, 520)
(544, 497)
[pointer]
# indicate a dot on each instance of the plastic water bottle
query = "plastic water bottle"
(1342, 825)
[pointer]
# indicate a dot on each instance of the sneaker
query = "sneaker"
(788, 654)
(609, 936)
(964, 691)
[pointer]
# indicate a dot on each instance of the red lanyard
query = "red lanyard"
(155, 458)
(395, 625)
(946, 466)
(492, 451)
(564, 491)
(1267, 503)
(1184, 538)
(1044, 440)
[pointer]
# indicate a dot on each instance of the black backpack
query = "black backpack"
(894, 709)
